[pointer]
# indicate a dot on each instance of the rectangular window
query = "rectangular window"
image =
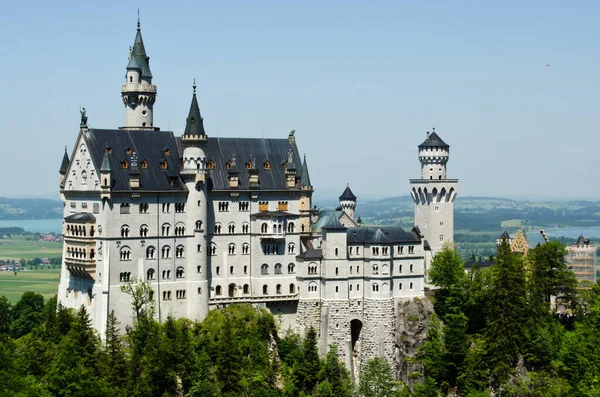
(263, 206)
(125, 209)
(166, 208)
(244, 206)
(179, 207)
(96, 208)
(73, 207)
(84, 206)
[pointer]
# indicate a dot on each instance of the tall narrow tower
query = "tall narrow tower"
(194, 174)
(138, 92)
(434, 193)
(348, 202)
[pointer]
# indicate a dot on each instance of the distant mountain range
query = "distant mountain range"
(29, 208)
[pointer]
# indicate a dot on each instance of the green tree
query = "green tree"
(377, 380)
(27, 314)
(115, 363)
(5, 315)
(141, 294)
(505, 328)
(204, 384)
(336, 375)
(455, 345)
(310, 365)
(447, 272)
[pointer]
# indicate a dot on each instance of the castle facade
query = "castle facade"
(209, 222)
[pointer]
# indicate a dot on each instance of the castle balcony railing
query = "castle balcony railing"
(141, 88)
(254, 299)
(81, 267)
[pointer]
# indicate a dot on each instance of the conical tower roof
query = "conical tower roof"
(433, 140)
(138, 58)
(348, 195)
(65, 163)
(194, 123)
(105, 167)
(304, 176)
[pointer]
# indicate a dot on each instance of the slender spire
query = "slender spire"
(304, 176)
(65, 163)
(194, 124)
(138, 58)
(139, 28)
(105, 167)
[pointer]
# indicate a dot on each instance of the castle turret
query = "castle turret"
(64, 167)
(348, 202)
(434, 193)
(106, 176)
(138, 92)
(306, 189)
(194, 174)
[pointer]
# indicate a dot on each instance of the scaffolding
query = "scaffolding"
(581, 259)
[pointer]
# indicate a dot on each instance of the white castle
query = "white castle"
(209, 222)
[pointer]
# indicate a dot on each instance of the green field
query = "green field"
(19, 247)
(44, 282)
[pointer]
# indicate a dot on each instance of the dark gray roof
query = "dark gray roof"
(105, 167)
(348, 195)
(64, 166)
(152, 146)
(381, 235)
(221, 150)
(433, 140)
(81, 217)
(505, 236)
(311, 254)
(194, 124)
(482, 264)
(304, 176)
(273, 213)
(138, 58)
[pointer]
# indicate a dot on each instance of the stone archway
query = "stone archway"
(356, 337)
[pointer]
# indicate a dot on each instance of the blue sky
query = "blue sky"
(360, 82)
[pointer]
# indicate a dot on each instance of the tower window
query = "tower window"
(144, 164)
(131, 79)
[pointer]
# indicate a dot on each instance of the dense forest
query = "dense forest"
(520, 328)
(47, 350)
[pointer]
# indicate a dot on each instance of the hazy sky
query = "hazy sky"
(360, 82)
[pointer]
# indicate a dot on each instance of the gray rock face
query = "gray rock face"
(412, 325)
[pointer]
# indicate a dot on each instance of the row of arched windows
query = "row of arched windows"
(232, 290)
(79, 253)
(79, 231)
(165, 252)
(264, 269)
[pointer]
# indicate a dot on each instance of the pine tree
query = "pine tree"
(377, 380)
(115, 364)
(310, 364)
(505, 329)
(447, 272)
(336, 375)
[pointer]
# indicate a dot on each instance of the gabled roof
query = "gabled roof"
(221, 150)
(194, 124)
(64, 166)
(333, 224)
(505, 236)
(324, 217)
(311, 254)
(152, 146)
(381, 235)
(138, 59)
(433, 140)
(581, 240)
(304, 176)
(81, 217)
(348, 195)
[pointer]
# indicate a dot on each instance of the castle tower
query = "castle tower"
(434, 193)
(348, 202)
(194, 174)
(305, 198)
(138, 92)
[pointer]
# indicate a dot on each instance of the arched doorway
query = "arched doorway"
(355, 332)
(232, 288)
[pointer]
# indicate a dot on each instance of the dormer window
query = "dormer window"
(167, 151)
(144, 164)
(228, 165)
(163, 164)
(249, 165)
(109, 149)
(210, 165)
(125, 164)
(128, 150)
(267, 165)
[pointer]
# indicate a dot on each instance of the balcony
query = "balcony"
(80, 267)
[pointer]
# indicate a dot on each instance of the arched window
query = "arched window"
(291, 248)
(150, 252)
(232, 290)
(166, 252)
(246, 289)
(199, 269)
(264, 269)
(278, 289)
(180, 272)
(179, 251)
(218, 290)
(290, 227)
(411, 285)
(265, 290)
(124, 253)
(312, 268)
(232, 228)
(150, 274)
(213, 249)
(278, 268)
(124, 231)
(292, 289)
(245, 249)
(143, 231)
(312, 287)
(218, 228)
(336, 271)
(264, 228)
(375, 269)
(84, 177)
(231, 249)
(245, 227)
(411, 268)
(218, 270)
(291, 268)
(385, 269)
(198, 225)
(165, 229)
(441, 238)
